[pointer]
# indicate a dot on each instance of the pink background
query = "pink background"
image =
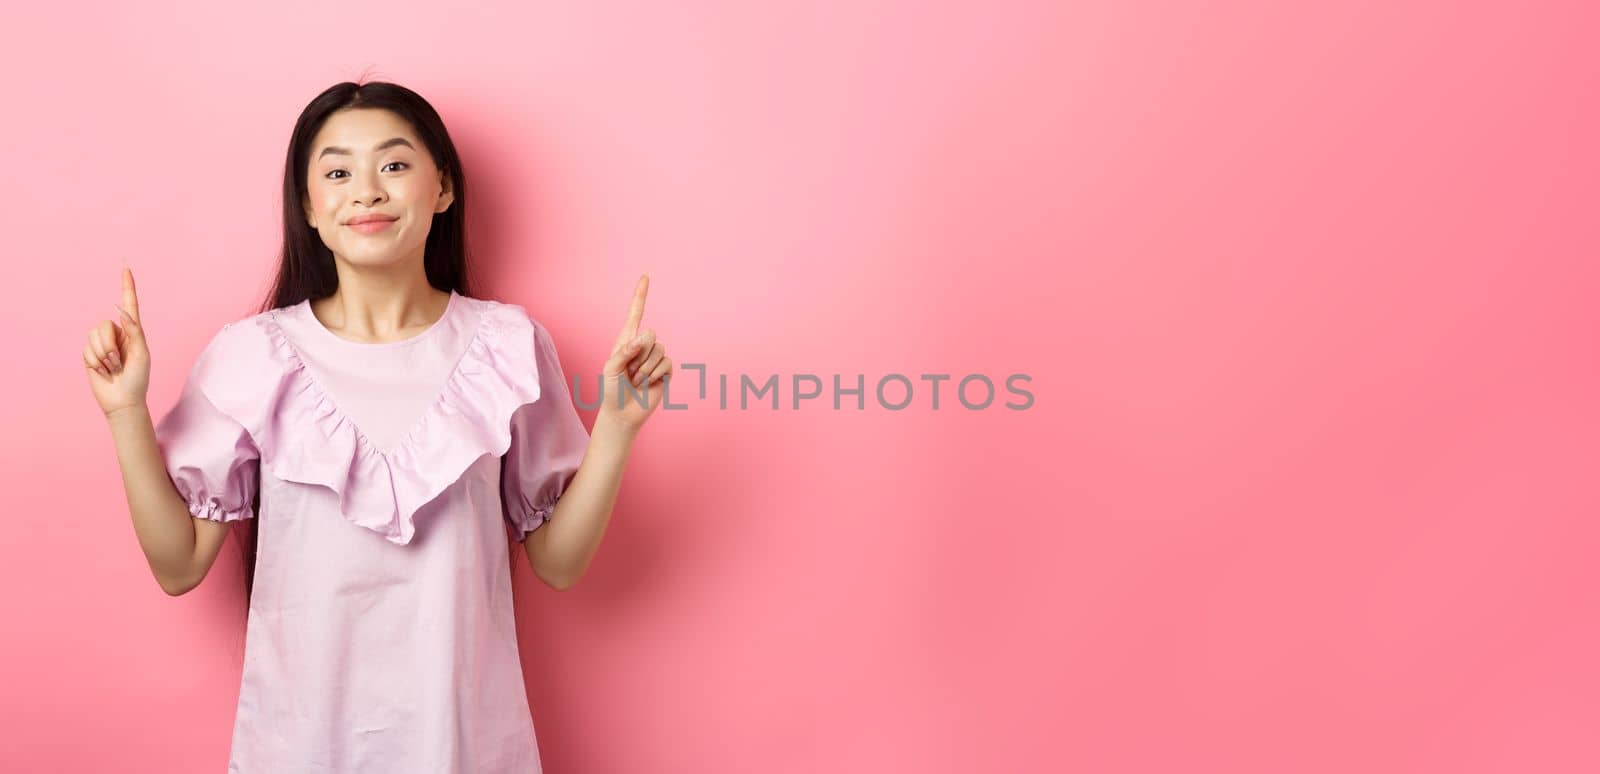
(1307, 295)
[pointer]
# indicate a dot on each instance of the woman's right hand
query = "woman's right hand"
(116, 358)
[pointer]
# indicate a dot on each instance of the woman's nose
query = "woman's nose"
(370, 192)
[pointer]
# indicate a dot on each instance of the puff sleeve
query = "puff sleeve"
(548, 441)
(210, 457)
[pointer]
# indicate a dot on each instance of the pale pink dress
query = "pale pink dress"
(392, 479)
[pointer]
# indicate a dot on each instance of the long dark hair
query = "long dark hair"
(306, 266)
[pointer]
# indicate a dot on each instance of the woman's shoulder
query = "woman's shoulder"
(251, 322)
(507, 309)
(239, 340)
(509, 321)
(240, 355)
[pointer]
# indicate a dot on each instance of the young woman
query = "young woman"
(387, 432)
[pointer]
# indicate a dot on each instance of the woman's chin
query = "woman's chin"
(373, 257)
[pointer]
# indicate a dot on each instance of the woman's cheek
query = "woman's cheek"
(322, 204)
(414, 191)
(328, 205)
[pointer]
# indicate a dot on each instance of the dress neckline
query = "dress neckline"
(432, 330)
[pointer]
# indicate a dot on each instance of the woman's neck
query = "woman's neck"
(378, 311)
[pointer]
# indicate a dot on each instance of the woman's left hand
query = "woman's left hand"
(642, 360)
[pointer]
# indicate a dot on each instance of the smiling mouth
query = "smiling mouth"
(371, 226)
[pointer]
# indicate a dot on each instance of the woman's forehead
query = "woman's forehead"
(362, 130)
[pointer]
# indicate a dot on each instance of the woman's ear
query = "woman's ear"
(311, 218)
(447, 193)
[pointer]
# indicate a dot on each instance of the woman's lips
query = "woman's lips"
(372, 226)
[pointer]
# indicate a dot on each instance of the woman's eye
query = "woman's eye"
(385, 166)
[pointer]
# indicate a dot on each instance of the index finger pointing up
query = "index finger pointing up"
(130, 298)
(636, 309)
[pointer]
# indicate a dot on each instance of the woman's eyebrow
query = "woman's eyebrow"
(389, 143)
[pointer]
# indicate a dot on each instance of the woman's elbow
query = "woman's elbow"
(176, 586)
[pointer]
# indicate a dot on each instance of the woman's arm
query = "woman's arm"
(561, 549)
(117, 361)
(179, 547)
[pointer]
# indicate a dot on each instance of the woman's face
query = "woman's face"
(367, 162)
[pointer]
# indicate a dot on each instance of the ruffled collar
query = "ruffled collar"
(304, 437)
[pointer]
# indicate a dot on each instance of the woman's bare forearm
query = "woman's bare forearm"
(560, 551)
(160, 518)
